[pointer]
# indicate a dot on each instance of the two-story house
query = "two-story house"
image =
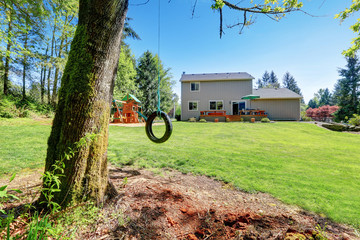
(224, 91)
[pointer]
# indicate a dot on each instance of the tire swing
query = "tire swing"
(149, 124)
(158, 113)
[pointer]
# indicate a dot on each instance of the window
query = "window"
(194, 87)
(193, 106)
(216, 105)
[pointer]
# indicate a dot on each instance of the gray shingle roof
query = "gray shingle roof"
(275, 93)
(216, 77)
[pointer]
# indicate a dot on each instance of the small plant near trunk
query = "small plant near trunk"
(51, 179)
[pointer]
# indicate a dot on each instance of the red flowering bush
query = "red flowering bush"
(322, 113)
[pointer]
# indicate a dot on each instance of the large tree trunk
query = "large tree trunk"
(84, 102)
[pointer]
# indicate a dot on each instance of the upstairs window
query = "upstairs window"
(194, 87)
(216, 105)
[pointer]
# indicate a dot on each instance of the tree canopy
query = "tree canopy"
(268, 80)
(355, 43)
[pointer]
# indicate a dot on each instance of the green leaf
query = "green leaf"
(3, 194)
(13, 196)
(17, 190)
(2, 188)
(12, 177)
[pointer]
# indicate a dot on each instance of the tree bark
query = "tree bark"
(24, 67)
(7, 55)
(50, 68)
(43, 77)
(57, 69)
(84, 103)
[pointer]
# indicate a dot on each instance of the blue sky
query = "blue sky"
(308, 47)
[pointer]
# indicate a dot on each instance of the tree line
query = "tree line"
(34, 48)
(346, 93)
(35, 42)
(270, 80)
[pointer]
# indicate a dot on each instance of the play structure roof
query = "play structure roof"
(130, 97)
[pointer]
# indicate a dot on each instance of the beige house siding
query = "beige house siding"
(226, 91)
(279, 109)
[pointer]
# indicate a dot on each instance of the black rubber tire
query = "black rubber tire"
(149, 123)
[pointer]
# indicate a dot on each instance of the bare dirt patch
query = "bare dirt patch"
(172, 205)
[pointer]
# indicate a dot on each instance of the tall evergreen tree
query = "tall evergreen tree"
(273, 82)
(313, 103)
(290, 83)
(264, 81)
(324, 97)
(268, 80)
(348, 93)
(147, 81)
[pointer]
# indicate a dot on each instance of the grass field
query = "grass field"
(22, 144)
(298, 163)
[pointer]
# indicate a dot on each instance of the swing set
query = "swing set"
(127, 110)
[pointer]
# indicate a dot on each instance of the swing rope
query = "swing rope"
(158, 91)
(158, 113)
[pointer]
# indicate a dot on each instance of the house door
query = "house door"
(235, 108)
(242, 105)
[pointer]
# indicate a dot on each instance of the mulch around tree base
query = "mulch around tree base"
(167, 204)
(172, 205)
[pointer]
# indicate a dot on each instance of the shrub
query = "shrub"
(304, 117)
(13, 106)
(192, 119)
(265, 120)
(355, 120)
(322, 113)
(7, 109)
(202, 120)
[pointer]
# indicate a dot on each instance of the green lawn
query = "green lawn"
(298, 163)
(22, 144)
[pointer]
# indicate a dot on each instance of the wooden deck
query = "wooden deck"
(245, 115)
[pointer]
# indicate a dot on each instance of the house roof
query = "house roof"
(275, 93)
(216, 77)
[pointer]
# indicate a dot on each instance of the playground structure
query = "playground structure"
(127, 110)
